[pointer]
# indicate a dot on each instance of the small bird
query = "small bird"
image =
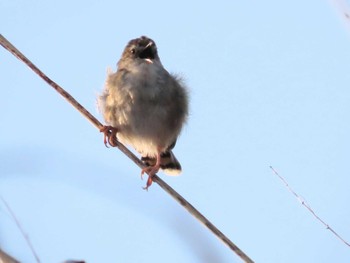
(145, 106)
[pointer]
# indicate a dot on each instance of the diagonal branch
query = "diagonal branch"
(21, 229)
(308, 207)
(192, 210)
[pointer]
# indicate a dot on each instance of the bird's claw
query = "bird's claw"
(109, 136)
(148, 184)
(151, 171)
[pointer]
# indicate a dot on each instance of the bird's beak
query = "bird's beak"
(149, 44)
(148, 60)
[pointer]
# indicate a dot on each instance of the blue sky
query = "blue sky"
(269, 85)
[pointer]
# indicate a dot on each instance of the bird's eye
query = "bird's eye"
(132, 51)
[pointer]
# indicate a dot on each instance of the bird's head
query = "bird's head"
(143, 49)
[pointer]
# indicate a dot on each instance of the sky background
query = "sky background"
(269, 85)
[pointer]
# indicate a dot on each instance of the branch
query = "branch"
(308, 207)
(21, 229)
(343, 11)
(8, 46)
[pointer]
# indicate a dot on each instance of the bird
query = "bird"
(145, 106)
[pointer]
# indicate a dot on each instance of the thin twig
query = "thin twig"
(7, 45)
(343, 10)
(26, 238)
(308, 207)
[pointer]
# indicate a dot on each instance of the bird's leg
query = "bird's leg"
(151, 171)
(109, 135)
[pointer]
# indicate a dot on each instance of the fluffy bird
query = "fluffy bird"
(145, 106)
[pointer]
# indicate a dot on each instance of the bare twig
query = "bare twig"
(20, 229)
(7, 45)
(308, 207)
(343, 10)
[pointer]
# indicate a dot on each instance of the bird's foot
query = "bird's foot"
(109, 136)
(151, 171)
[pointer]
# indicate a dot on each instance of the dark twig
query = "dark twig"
(343, 10)
(7, 45)
(308, 207)
(20, 229)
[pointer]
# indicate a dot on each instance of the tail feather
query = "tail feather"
(168, 163)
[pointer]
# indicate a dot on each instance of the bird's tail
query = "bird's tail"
(168, 163)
